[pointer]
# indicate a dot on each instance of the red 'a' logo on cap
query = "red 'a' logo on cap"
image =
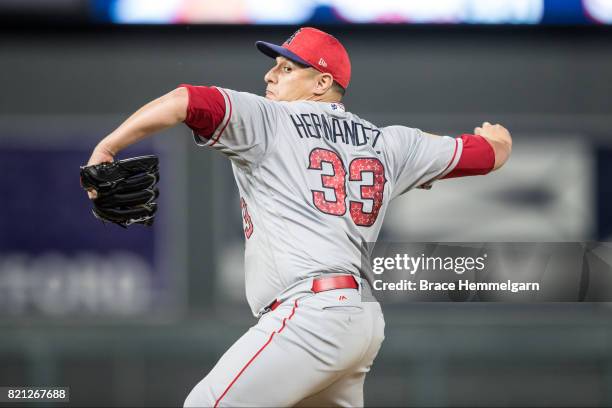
(292, 37)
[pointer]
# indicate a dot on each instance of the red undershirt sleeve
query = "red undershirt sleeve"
(205, 111)
(477, 157)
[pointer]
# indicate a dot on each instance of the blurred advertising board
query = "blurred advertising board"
(57, 260)
(315, 12)
(354, 12)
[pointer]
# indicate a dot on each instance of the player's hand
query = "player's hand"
(500, 140)
(99, 155)
(496, 132)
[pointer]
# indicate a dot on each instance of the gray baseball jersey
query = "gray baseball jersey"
(315, 182)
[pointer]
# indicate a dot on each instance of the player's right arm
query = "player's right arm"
(159, 114)
(238, 124)
(162, 113)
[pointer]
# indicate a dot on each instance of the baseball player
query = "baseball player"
(315, 182)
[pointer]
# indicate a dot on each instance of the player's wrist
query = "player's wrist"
(107, 150)
(101, 154)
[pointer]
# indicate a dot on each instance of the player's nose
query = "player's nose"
(270, 76)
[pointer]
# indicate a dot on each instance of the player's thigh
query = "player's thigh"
(268, 366)
(208, 390)
(345, 392)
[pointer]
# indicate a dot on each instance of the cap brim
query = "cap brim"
(273, 51)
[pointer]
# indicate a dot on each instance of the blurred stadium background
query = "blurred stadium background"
(137, 317)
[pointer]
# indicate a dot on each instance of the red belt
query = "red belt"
(324, 284)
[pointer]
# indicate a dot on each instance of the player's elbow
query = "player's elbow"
(167, 110)
(178, 101)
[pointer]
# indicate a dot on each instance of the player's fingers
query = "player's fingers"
(486, 124)
(477, 130)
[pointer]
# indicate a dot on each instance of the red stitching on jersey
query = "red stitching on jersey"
(295, 304)
(228, 117)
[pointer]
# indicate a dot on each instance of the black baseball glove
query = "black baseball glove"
(125, 189)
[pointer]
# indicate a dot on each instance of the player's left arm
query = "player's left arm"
(486, 150)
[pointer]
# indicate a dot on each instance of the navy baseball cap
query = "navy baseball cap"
(273, 51)
(313, 48)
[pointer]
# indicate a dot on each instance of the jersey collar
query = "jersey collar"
(339, 106)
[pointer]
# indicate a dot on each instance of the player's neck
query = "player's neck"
(329, 98)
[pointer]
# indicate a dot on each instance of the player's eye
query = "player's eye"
(286, 69)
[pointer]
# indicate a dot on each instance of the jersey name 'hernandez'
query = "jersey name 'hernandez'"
(314, 180)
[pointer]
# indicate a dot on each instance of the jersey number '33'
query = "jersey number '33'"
(337, 182)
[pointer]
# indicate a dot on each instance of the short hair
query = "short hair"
(338, 88)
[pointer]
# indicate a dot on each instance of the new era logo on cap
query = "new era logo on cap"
(314, 48)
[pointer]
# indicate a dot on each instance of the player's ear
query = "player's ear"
(323, 83)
